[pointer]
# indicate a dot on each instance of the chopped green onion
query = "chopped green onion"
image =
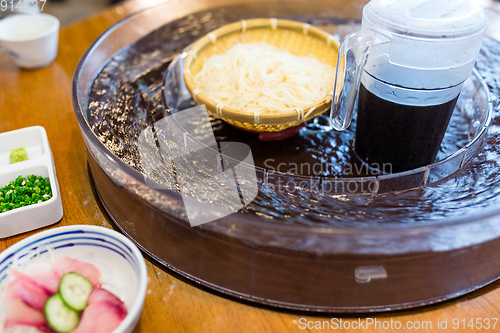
(22, 192)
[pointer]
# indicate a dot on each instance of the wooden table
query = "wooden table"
(43, 97)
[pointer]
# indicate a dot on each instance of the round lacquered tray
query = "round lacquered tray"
(306, 249)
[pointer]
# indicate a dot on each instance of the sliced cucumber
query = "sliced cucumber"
(75, 290)
(59, 317)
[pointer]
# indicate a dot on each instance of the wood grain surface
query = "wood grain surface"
(43, 97)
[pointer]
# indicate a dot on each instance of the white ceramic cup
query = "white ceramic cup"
(30, 39)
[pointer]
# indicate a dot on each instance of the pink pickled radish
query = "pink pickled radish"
(44, 275)
(27, 290)
(103, 314)
(20, 314)
(64, 264)
(102, 295)
(101, 317)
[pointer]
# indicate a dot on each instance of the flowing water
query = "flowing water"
(126, 97)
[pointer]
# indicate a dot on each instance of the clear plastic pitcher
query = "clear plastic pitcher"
(407, 65)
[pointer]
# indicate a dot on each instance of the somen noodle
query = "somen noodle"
(259, 77)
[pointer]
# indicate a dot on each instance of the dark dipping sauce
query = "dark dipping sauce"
(399, 137)
(126, 97)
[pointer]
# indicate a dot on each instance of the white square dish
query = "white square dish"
(40, 163)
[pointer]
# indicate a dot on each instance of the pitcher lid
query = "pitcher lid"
(426, 18)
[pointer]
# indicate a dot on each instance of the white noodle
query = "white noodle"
(259, 77)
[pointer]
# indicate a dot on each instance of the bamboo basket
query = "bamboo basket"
(298, 38)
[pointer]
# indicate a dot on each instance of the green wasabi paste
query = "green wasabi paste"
(18, 155)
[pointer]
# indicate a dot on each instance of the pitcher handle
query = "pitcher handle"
(353, 53)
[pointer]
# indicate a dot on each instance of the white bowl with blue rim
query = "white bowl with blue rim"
(122, 266)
